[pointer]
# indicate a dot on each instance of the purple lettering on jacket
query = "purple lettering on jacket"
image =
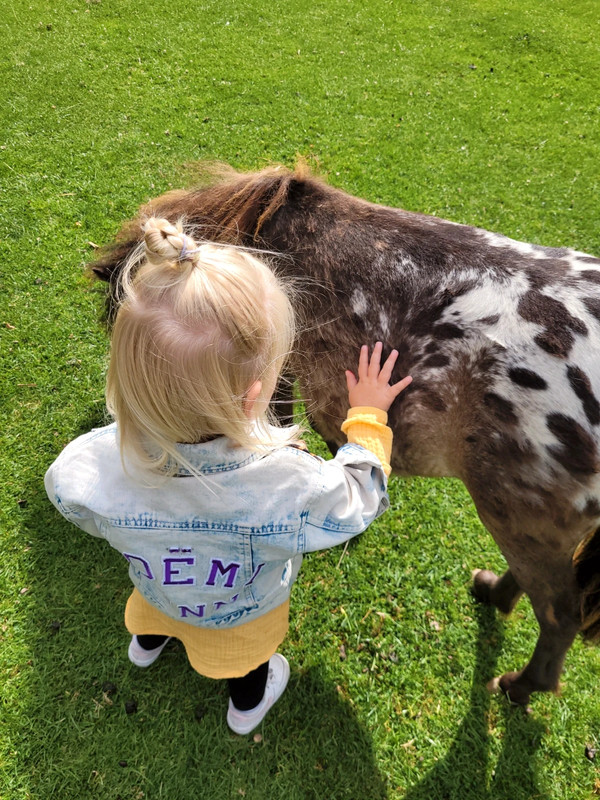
(185, 610)
(220, 604)
(256, 571)
(170, 571)
(217, 566)
(147, 572)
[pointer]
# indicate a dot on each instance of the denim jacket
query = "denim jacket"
(224, 549)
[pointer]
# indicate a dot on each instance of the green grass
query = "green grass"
(484, 112)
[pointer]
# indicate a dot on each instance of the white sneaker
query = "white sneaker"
(245, 721)
(143, 658)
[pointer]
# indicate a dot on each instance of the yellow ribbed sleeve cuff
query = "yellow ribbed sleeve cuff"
(367, 426)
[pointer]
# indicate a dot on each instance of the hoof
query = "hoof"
(483, 582)
(517, 694)
(495, 687)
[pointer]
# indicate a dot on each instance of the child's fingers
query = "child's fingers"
(363, 362)
(350, 380)
(401, 385)
(375, 361)
(387, 369)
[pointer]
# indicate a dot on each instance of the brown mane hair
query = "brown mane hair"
(224, 206)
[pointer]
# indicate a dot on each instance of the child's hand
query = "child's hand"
(373, 385)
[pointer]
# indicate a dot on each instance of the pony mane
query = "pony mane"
(225, 206)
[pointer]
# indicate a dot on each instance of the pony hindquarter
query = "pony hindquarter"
(501, 338)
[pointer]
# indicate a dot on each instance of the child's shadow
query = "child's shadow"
(467, 772)
(175, 738)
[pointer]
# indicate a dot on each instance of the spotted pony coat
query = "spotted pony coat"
(502, 339)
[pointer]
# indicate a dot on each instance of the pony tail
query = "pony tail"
(586, 563)
(166, 244)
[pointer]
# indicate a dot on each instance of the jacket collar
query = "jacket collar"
(218, 455)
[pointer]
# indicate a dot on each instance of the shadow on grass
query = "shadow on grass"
(76, 740)
(464, 774)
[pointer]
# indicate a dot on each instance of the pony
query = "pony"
(502, 339)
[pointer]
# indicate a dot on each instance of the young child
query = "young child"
(210, 504)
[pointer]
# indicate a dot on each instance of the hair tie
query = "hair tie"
(184, 253)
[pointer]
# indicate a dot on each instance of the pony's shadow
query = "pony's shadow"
(467, 772)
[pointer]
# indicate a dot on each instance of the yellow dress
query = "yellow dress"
(227, 653)
(234, 652)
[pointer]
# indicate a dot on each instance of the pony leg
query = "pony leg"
(503, 592)
(542, 673)
(283, 400)
(556, 608)
(539, 553)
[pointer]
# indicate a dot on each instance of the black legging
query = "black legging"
(246, 693)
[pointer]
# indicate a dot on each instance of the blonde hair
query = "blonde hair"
(196, 326)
